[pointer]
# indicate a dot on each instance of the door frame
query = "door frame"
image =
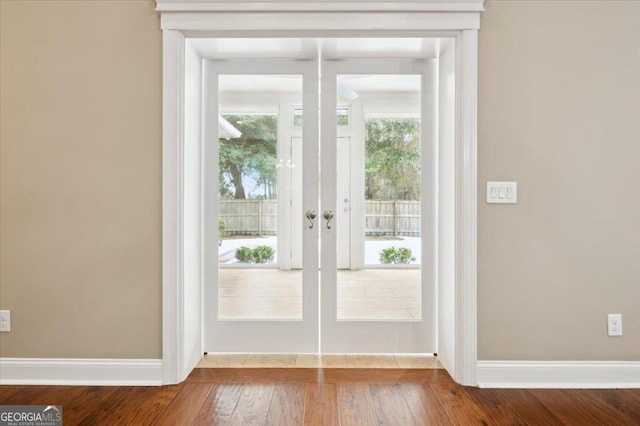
(354, 132)
(181, 20)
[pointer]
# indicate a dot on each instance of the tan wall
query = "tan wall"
(81, 175)
(559, 112)
(80, 188)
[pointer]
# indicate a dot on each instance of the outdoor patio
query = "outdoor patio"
(369, 294)
(372, 247)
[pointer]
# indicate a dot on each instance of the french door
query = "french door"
(350, 220)
(261, 165)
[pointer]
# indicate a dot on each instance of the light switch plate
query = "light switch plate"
(502, 192)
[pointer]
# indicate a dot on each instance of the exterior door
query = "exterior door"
(261, 188)
(376, 226)
(385, 300)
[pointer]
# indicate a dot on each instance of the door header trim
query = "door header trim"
(320, 6)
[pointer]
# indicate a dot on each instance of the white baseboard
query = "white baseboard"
(81, 371)
(558, 374)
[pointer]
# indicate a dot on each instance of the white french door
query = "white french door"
(376, 308)
(340, 296)
(260, 305)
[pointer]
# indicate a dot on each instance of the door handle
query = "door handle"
(328, 215)
(311, 214)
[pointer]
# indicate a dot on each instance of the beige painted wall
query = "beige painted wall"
(80, 190)
(559, 112)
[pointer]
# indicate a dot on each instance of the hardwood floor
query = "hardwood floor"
(312, 396)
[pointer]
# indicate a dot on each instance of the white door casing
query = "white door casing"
(460, 20)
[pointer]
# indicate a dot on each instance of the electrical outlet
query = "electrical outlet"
(5, 321)
(614, 324)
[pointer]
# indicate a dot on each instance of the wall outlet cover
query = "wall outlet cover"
(614, 324)
(5, 321)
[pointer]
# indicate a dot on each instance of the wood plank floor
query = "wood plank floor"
(309, 396)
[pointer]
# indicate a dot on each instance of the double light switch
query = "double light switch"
(502, 192)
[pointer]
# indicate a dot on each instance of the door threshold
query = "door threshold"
(253, 360)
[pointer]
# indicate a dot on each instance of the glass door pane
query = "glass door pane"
(386, 283)
(255, 196)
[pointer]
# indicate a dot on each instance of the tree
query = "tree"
(392, 163)
(252, 155)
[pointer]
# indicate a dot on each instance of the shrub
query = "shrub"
(222, 225)
(260, 254)
(244, 254)
(394, 255)
(263, 254)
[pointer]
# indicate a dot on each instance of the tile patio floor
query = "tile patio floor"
(388, 294)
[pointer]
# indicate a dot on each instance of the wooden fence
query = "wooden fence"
(249, 217)
(392, 218)
(259, 217)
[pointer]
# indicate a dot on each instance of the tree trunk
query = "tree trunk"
(369, 195)
(236, 180)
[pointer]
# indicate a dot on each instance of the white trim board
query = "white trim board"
(559, 374)
(81, 371)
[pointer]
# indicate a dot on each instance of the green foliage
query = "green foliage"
(297, 120)
(260, 254)
(392, 163)
(253, 154)
(263, 254)
(342, 118)
(244, 254)
(222, 225)
(394, 255)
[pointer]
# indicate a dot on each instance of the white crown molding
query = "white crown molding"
(559, 374)
(80, 371)
(212, 17)
(248, 6)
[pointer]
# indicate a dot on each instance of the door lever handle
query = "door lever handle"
(311, 214)
(328, 215)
